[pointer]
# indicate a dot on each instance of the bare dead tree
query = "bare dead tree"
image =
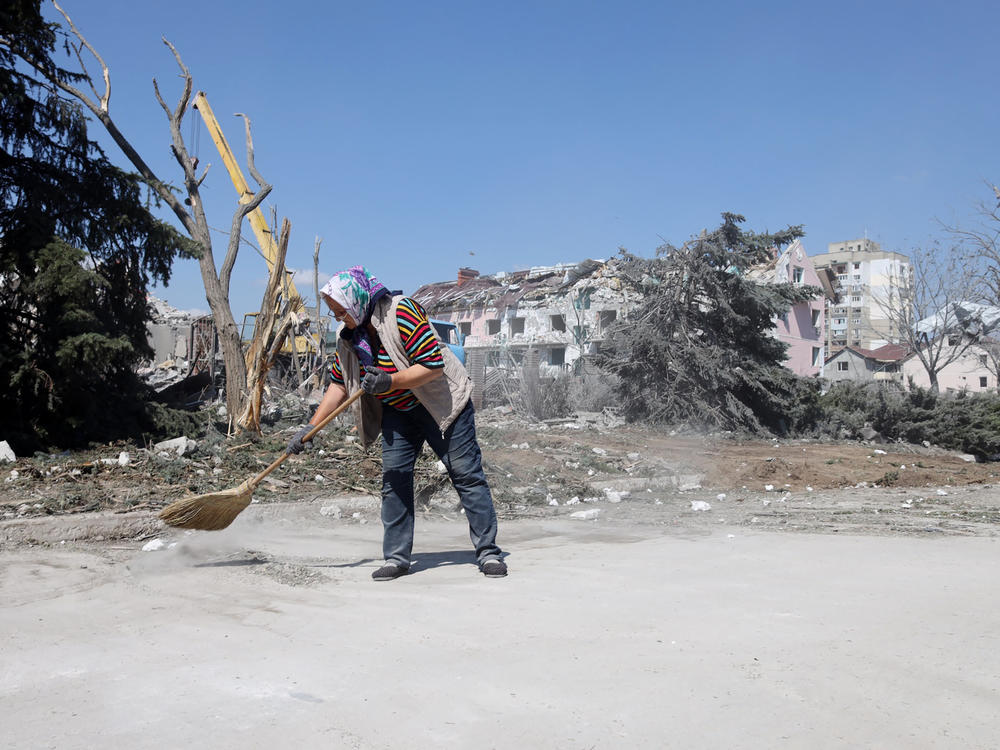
(319, 332)
(927, 304)
(272, 328)
(194, 221)
(981, 240)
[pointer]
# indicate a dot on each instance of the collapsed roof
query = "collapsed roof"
(508, 289)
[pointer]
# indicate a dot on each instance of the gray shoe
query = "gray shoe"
(493, 569)
(389, 572)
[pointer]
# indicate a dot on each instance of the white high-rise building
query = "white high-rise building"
(863, 275)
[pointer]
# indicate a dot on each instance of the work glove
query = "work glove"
(376, 380)
(295, 445)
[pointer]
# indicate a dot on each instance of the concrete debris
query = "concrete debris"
(867, 433)
(153, 545)
(586, 515)
(968, 458)
(6, 452)
(688, 482)
(700, 505)
(181, 446)
(613, 496)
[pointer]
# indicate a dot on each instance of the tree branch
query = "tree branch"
(105, 100)
(242, 211)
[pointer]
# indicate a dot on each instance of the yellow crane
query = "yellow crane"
(258, 223)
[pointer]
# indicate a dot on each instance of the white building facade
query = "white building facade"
(864, 277)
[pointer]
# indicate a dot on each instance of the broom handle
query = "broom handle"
(308, 436)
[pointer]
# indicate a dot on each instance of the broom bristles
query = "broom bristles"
(209, 512)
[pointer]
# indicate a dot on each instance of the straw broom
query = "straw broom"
(216, 510)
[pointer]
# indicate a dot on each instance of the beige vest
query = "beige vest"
(444, 397)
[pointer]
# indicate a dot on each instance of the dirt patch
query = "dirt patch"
(628, 472)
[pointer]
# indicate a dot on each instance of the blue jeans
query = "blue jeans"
(403, 436)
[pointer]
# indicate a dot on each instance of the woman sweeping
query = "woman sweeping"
(419, 392)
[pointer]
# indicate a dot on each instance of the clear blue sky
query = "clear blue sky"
(418, 137)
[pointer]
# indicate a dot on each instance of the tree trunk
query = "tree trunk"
(229, 337)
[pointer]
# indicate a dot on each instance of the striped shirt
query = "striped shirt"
(421, 348)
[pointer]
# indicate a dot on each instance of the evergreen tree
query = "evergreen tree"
(700, 349)
(78, 249)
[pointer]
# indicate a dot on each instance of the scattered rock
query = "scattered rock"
(586, 515)
(872, 435)
(700, 505)
(6, 452)
(614, 496)
(182, 446)
(153, 545)
(688, 482)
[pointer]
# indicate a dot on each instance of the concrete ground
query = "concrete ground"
(271, 634)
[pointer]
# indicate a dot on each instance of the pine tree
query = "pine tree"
(78, 250)
(700, 349)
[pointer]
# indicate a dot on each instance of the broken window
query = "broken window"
(557, 355)
(558, 322)
(465, 327)
(606, 318)
(493, 326)
(797, 275)
(982, 381)
(493, 358)
(815, 317)
(516, 326)
(817, 356)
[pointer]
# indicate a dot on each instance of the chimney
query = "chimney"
(466, 274)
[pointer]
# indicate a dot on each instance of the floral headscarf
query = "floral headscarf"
(357, 291)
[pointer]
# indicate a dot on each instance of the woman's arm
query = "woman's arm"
(333, 398)
(414, 375)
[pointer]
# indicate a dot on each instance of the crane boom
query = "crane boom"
(258, 223)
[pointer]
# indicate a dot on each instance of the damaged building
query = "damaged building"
(557, 314)
(802, 327)
(183, 345)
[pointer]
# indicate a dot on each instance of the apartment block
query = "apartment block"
(863, 276)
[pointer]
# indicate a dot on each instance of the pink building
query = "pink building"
(802, 326)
